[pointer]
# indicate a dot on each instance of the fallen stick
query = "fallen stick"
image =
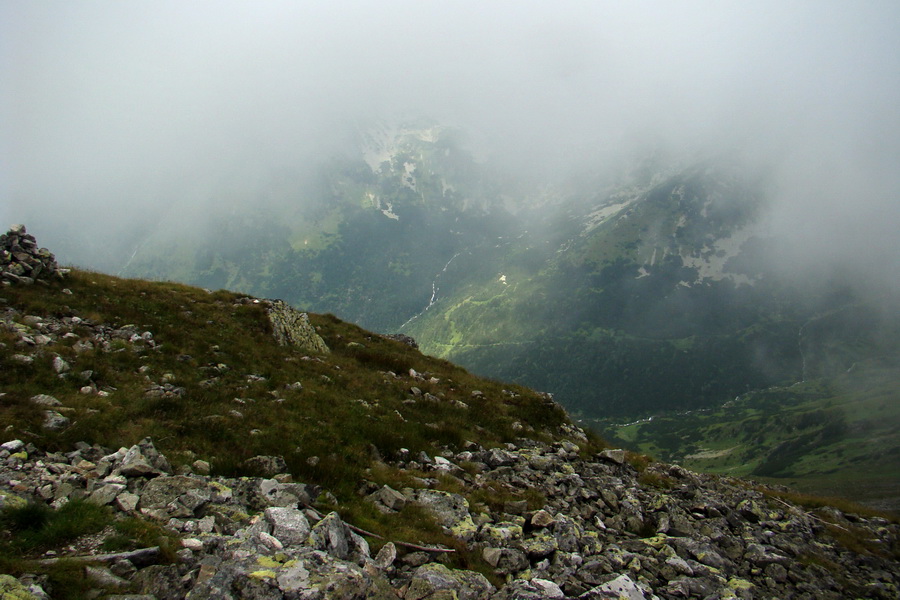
(361, 531)
(146, 556)
(811, 516)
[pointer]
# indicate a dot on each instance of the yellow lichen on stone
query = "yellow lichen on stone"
(220, 487)
(657, 541)
(264, 574)
(268, 562)
(11, 589)
(740, 584)
(464, 528)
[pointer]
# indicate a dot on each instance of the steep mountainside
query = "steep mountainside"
(268, 453)
(639, 299)
(657, 291)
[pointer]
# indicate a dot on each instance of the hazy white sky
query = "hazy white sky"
(112, 108)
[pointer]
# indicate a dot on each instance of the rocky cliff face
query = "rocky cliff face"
(605, 530)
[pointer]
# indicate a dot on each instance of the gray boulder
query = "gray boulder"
(177, 496)
(289, 525)
(54, 421)
(332, 535)
(430, 579)
(290, 327)
(266, 465)
(620, 588)
(451, 511)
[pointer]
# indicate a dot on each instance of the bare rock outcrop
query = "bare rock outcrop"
(292, 327)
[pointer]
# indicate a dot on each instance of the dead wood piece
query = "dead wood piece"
(140, 557)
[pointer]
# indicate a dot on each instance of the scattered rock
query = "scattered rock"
(402, 338)
(45, 400)
(431, 579)
(54, 421)
(613, 456)
(289, 525)
(574, 547)
(266, 465)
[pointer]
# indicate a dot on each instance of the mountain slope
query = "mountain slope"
(657, 291)
(202, 371)
(478, 489)
(638, 300)
(834, 436)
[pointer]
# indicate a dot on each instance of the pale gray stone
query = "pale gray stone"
(45, 400)
(614, 456)
(386, 556)
(105, 494)
(55, 421)
(289, 525)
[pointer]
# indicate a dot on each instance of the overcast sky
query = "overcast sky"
(113, 108)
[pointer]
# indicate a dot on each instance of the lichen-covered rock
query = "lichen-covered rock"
(248, 538)
(11, 589)
(289, 525)
(305, 573)
(177, 496)
(161, 582)
(428, 580)
(54, 421)
(534, 589)
(135, 464)
(620, 588)
(450, 510)
(332, 535)
(388, 499)
(402, 338)
(292, 327)
(266, 465)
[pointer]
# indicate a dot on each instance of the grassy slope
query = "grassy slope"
(223, 356)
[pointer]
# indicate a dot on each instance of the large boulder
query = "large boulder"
(292, 327)
(450, 510)
(176, 496)
(432, 578)
(307, 574)
(620, 588)
(289, 525)
(332, 535)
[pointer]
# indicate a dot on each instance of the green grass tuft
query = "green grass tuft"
(36, 527)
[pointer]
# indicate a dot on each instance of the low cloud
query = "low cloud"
(115, 113)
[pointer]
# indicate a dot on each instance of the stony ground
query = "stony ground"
(606, 530)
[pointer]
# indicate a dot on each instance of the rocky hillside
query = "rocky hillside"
(590, 528)
(171, 442)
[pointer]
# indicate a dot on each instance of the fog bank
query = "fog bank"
(114, 113)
